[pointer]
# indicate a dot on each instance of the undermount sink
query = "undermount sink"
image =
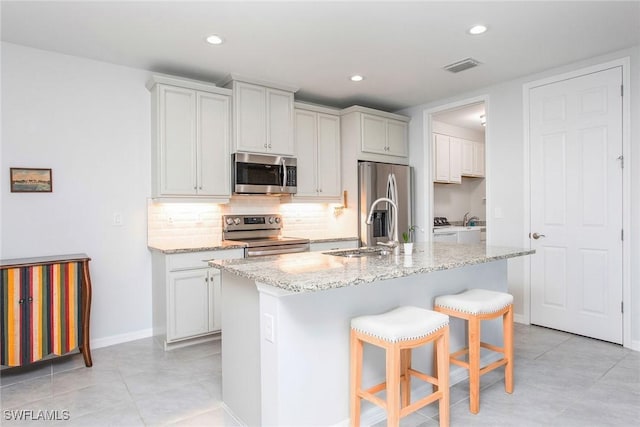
(362, 252)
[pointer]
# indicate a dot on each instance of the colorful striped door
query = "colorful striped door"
(41, 311)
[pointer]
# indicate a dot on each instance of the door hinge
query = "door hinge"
(621, 306)
(622, 234)
(621, 158)
(621, 90)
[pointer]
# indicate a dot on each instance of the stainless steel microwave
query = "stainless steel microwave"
(264, 174)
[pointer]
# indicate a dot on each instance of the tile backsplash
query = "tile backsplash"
(186, 225)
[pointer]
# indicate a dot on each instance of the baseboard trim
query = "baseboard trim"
(519, 318)
(122, 338)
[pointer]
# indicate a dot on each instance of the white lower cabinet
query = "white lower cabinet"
(192, 303)
(187, 295)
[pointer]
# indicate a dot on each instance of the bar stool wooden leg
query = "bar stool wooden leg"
(442, 353)
(507, 331)
(405, 356)
(393, 386)
(356, 378)
(474, 365)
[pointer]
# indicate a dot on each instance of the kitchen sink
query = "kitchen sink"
(361, 252)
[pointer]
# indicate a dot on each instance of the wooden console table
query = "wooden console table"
(45, 304)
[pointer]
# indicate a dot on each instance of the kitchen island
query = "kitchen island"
(286, 320)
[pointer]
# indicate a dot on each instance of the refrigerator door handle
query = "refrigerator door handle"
(392, 194)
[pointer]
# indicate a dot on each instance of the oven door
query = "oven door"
(276, 250)
(264, 174)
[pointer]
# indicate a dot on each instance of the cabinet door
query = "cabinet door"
(214, 157)
(215, 322)
(455, 159)
(306, 141)
(329, 183)
(374, 134)
(280, 122)
(188, 304)
(478, 160)
(397, 141)
(441, 156)
(250, 117)
(468, 156)
(177, 139)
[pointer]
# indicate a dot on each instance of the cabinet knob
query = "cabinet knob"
(21, 301)
(265, 145)
(269, 145)
(195, 187)
(30, 299)
(200, 187)
(206, 279)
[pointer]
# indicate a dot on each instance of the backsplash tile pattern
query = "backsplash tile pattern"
(189, 225)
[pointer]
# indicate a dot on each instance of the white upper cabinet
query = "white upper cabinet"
(447, 159)
(472, 158)
(190, 139)
(380, 136)
(263, 118)
(317, 137)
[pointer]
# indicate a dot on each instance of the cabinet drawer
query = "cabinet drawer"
(190, 260)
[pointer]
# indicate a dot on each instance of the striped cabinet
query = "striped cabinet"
(45, 306)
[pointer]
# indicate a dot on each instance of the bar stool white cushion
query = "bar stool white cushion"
(475, 301)
(401, 324)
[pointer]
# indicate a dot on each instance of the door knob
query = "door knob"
(536, 235)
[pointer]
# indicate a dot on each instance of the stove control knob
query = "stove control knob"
(271, 220)
(236, 221)
(229, 221)
(277, 220)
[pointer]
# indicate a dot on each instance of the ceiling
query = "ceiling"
(400, 47)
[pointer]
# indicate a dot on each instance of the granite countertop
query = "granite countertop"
(181, 249)
(317, 271)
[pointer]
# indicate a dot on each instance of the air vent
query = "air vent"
(465, 64)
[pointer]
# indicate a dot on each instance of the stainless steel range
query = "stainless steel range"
(261, 234)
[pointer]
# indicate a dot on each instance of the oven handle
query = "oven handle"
(276, 250)
(284, 173)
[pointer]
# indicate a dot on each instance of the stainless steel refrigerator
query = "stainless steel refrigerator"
(383, 180)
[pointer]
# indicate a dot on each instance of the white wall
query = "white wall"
(89, 121)
(505, 179)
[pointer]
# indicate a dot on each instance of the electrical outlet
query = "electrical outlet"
(269, 332)
(117, 219)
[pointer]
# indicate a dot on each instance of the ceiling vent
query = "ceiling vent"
(465, 64)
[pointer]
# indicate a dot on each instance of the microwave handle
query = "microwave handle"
(284, 173)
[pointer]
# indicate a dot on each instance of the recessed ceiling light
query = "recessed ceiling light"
(356, 78)
(477, 29)
(214, 39)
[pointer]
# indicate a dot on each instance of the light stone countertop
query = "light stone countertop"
(171, 249)
(317, 271)
(333, 239)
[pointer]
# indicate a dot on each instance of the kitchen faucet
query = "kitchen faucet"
(391, 243)
(466, 220)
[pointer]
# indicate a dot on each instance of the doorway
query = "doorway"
(457, 151)
(576, 205)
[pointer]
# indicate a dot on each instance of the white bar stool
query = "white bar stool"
(399, 331)
(474, 306)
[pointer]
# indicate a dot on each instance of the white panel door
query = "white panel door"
(576, 204)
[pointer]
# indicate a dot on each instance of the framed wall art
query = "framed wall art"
(31, 180)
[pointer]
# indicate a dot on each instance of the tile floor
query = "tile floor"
(560, 379)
